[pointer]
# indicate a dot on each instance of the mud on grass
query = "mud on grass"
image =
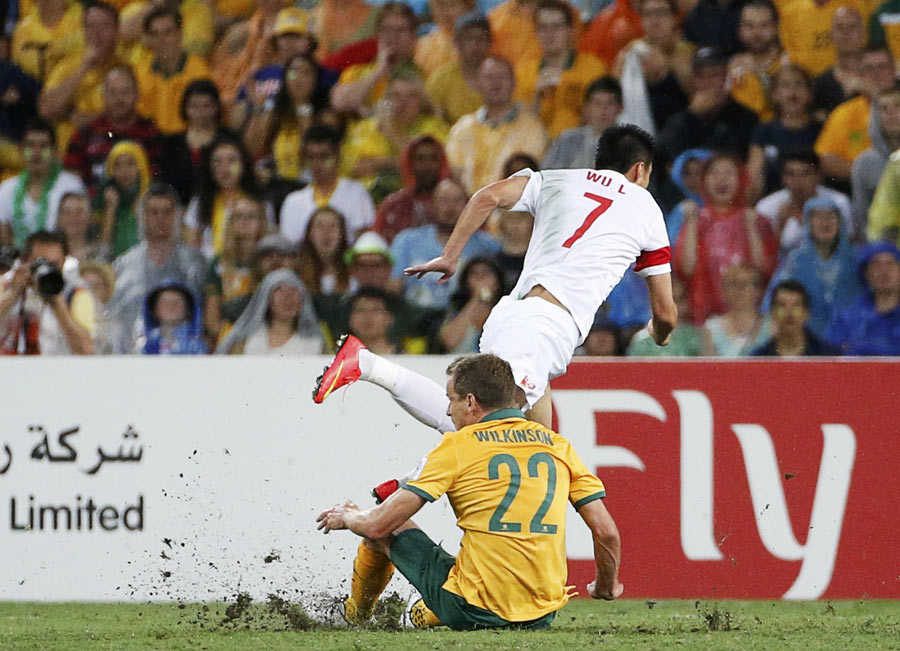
(278, 614)
(625, 624)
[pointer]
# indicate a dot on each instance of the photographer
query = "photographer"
(40, 313)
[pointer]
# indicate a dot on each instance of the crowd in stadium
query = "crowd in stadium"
(241, 177)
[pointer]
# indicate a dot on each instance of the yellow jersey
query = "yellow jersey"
(846, 131)
(805, 30)
(559, 107)
(37, 49)
(160, 96)
(509, 481)
(87, 103)
(451, 94)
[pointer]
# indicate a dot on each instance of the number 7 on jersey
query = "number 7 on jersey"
(590, 219)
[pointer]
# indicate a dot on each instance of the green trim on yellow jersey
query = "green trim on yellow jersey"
(589, 499)
(501, 414)
(418, 491)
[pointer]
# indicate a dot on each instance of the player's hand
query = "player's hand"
(615, 593)
(335, 518)
(441, 265)
(664, 342)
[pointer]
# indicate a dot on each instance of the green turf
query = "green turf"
(582, 624)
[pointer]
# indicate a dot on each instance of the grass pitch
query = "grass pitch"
(627, 624)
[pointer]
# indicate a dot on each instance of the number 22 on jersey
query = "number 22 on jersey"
(535, 461)
(603, 206)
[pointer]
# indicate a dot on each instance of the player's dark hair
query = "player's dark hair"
(621, 146)
(44, 237)
(488, 378)
(792, 285)
(607, 84)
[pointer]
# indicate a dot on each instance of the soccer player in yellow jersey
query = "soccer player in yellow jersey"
(508, 480)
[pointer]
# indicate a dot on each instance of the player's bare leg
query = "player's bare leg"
(542, 412)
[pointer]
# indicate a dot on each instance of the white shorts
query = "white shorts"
(535, 336)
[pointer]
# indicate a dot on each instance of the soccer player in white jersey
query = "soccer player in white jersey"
(589, 226)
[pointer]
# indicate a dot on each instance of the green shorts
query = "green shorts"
(426, 565)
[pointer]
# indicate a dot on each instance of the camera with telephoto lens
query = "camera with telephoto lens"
(47, 277)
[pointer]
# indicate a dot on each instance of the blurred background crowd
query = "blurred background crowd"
(251, 177)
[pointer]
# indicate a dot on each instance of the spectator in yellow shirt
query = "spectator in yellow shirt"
(361, 86)
(73, 91)
(750, 72)
(163, 78)
(512, 23)
(49, 33)
(846, 132)
(453, 88)
(197, 26)
(480, 142)
(805, 29)
(372, 147)
(436, 48)
(554, 84)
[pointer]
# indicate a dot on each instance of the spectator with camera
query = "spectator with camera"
(42, 313)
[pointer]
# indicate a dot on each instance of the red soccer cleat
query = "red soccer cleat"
(344, 368)
(384, 490)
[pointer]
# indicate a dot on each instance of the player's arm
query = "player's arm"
(662, 304)
(501, 194)
(607, 550)
(375, 523)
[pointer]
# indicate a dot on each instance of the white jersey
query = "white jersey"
(589, 226)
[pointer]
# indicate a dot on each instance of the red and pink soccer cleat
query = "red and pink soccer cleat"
(343, 370)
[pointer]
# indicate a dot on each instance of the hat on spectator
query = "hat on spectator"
(275, 244)
(369, 242)
(290, 21)
(707, 57)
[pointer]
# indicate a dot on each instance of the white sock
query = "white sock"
(422, 398)
(377, 370)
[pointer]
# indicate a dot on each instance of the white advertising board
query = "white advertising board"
(191, 479)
